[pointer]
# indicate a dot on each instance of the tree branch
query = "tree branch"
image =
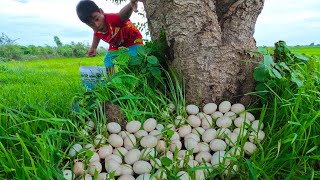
(231, 10)
(237, 20)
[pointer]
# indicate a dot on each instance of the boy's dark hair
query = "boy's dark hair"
(85, 9)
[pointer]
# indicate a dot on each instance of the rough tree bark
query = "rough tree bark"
(207, 40)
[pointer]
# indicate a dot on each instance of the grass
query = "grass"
(36, 97)
(43, 84)
(309, 50)
(32, 148)
(36, 127)
(292, 115)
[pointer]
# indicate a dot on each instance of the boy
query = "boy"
(113, 28)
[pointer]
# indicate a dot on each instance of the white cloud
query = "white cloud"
(291, 20)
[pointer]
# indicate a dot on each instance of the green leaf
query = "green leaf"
(134, 61)
(260, 73)
(170, 133)
(122, 59)
(268, 60)
(155, 72)
(252, 171)
(276, 73)
(312, 149)
(129, 82)
(153, 60)
(284, 65)
(142, 51)
(295, 79)
(262, 88)
(117, 81)
(148, 50)
(294, 138)
(271, 83)
(271, 73)
(302, 57)
(144, 70)
(262, 50)
(89, 154)
(166, 161)
(277, 67)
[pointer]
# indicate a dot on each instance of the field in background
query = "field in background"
(309, 50)
(47, 84)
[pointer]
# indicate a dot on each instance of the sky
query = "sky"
(38, 21)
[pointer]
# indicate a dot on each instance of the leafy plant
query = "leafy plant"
(144, 66)
(158, 49)
(277, 68)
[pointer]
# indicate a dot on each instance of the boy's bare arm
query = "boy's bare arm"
(95, 42)
(93, 50)
(127, 10)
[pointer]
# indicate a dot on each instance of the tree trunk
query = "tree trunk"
(207, 40)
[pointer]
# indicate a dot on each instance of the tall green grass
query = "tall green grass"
(291, 150)
(31, 147)
(35, 126)
(48, 85)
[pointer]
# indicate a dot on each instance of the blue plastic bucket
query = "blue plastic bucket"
(92, 76)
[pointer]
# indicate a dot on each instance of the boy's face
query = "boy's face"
(98, 22)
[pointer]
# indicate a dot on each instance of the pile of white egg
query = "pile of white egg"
(207, 138)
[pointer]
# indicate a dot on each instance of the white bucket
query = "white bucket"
(92, 75)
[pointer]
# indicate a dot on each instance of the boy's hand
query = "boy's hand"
(92, 52)
(134, 4)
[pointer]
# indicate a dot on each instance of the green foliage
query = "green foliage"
(9, 51)
(291, 113)
(269, 72)
(85, 103)
(289, 87)
(144, 66)
(158, 49)
(140, 86)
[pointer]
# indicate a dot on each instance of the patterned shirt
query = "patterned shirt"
(119, 33)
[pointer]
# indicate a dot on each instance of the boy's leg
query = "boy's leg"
(109, 57)
(133, 50)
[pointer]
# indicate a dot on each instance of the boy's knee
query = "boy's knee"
(108, 60)
(133, 50)
(108, 63)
